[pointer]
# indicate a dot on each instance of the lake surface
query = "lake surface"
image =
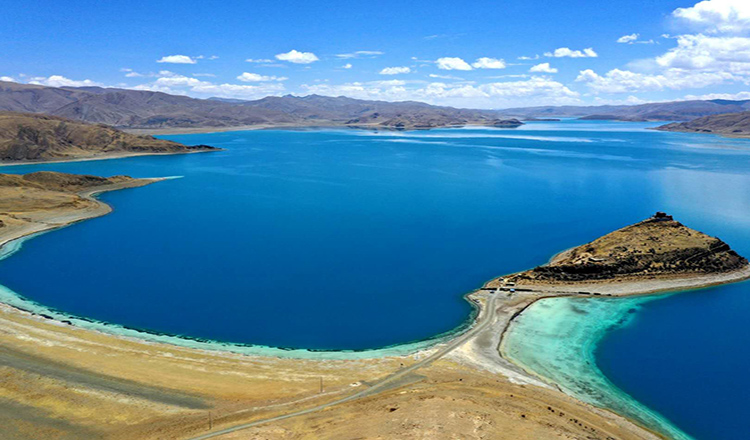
(352, 240)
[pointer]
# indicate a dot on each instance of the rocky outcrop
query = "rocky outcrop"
(658, 246)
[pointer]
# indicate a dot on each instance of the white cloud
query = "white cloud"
(739, 96)
(133, 75)
(360, 54)
(177, 59)
(6, 78)
(61, 81)
(628, 39)
(395, 70)
(697, 61)
(452, 63)
(517, 75)
(488, 63)
(728, 54)
(630, 100)
(208, 75)
(567, 52)
(297, 57)
(254, 77)
(532, 91)
(347, 66)
(625, 81)
(714, 16)
(524, 57)
(435, 75)
(543, 68)
(184, 85)
(259, 60)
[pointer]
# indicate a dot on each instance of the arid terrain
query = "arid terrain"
(26, 137)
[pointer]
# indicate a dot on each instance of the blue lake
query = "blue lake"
(345, 239)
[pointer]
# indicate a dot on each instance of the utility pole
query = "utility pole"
(210, 421)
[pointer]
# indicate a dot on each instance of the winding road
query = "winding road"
(383, 384)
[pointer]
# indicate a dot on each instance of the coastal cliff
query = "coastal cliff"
(28, 137)
(654, 248)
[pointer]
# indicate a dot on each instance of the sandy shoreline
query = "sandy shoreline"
(476, 351)
(99, 157)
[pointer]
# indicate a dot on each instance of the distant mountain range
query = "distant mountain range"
(660, 111)
(155, 110)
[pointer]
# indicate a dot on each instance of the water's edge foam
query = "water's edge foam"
(556, 339)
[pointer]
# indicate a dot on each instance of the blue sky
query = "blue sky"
(469, 54)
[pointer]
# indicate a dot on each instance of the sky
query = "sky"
(475, 54)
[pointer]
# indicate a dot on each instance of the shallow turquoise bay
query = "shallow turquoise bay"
(354, 240)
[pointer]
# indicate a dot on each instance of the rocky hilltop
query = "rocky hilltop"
(33, 137)
(656, 247)
(728, 124)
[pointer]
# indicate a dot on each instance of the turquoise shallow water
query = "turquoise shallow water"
(557, 338)
(354, 240)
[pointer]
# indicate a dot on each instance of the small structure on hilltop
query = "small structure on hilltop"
(661, 216)
(656, 247)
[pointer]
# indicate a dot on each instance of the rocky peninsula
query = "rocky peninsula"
(727, 124)
(64, 381)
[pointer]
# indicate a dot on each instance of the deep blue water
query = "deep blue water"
(334, 239)
(687, 356)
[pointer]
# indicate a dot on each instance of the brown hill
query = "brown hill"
(33, 137)
(656, 247)
(130, 108)
(729, 124)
